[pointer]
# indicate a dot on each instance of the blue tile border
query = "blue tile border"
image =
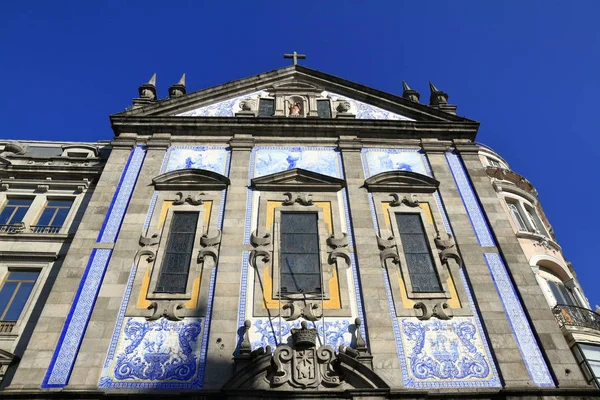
(493, 380)
(522, 330)
(105, 380)
(118, 206)
(77, 320)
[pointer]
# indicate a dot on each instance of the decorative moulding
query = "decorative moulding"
(512, 177)
(190, 179)
(37, 256)
(299, 180)
(401, 181)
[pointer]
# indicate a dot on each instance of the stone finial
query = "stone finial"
(437, 96)
(147, 91)
(409, 93)
(178, 89)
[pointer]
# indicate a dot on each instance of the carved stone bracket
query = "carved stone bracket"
(303, 309)
(210, 246)
(189, 198)
(387, 250)
(259, 257)
(167, 309)
(410, 200)
(258, 240)
(340, 248)
(447, 249)
(148, 244)
(439, 310)
(292, 198)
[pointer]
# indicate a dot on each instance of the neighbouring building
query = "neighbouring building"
(290, 234)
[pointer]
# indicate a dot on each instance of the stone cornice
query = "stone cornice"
(273, 126)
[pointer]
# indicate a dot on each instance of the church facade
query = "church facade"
(290, 234)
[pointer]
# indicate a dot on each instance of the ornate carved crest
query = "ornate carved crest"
(194, 200)
(305, 200)
(410, 200)
(303, 365)
(447, 248)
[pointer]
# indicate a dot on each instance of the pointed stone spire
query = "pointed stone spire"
(147, 91)
(178, 89)
(410, 94)
(437, 96)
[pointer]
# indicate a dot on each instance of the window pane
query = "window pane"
(591, 352)
(178, 253)
(19, 202)
(299, 259)
(419, 261)
(18, 215)
(556, 293)
(323, 109)
(266, 107)
(6, 214)
(60, 203)
(517, 217)
(5, 295)
(22, 275)
(60, 217)
(46, 217)
(299, 223)
(300, 243)
(19, 301)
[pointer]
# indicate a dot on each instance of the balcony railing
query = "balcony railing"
(20, 227)
(7, 326)
(45, 229)
(576, 316)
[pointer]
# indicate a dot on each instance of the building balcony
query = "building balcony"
(7, 326)
(573, 316)
(22, 228)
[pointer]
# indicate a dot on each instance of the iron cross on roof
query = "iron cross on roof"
(295, 56)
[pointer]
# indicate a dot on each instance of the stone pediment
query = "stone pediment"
(401, 181)
(182, 179)
(224, 100)
(298, 179)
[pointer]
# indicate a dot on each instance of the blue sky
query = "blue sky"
(528, 71)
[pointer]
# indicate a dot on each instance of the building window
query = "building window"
(266, 107)
(14, 211)
(299, 259)
(494, 163)
(53, 216)
(517, 217)
(324, 108)
(535, 221)
(562, 295)
(419, 262)
(175, 267)
(591, 354)
(15, 292)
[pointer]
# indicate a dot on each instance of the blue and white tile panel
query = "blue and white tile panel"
(461, 356)
(116, 212)
(216, 159)
(530, 351)
(229, 107)
(71, 337)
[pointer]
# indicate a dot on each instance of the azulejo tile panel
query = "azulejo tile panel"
(270, 160)
(152, 353)
(273, 331)
(530, 351)
(224, 108)
(431, 353)
(439, 350)
(376, 160)
(216, 159)
(116, 212)
(197, 157)
(367, 111)
(67, 348)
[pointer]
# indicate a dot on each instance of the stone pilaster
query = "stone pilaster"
(223, 336)
(378, 323)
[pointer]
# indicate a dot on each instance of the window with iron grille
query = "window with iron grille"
(299, 259)
(324, 108)
(15, 292)
(419, 261)
(175, 267)
(266, 107)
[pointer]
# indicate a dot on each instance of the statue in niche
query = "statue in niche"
(295, 109)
